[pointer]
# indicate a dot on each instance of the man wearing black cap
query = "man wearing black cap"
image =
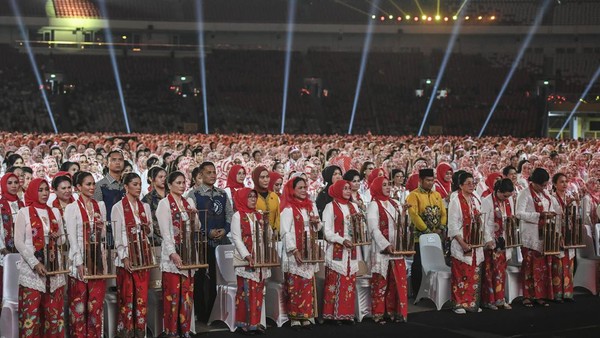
(428, 214)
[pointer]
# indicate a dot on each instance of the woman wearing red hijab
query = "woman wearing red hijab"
(41, 301)
(298, 216)
(9, 206)
(341, 263)
(250, 281)
(235, 181)
(490, 181)
(275, 182)
(443, 181)
(388, 285)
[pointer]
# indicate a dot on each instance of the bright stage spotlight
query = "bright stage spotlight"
(390, 17)
(288, 57)
(407, 17)
(363, 65)
(438, 80)
(438, 18)
(113, 60)
(36, 71)
(585, 93)
(515, 65)
(201, 55)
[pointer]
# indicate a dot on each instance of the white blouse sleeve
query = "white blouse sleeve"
(373, 223)
(287, 229)
(329, 225)
(236, 235)
(455, 220)
(120, 230)
(163, 216)
(148, 212)
(525, 208)
(71, 222)
(487, 209)
(23, 235)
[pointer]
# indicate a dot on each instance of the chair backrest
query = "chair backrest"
(588, 240)
(10, 289)
(596, 239)
(432, 255)
(224, 259)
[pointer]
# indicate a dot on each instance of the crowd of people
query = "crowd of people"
(301, 187)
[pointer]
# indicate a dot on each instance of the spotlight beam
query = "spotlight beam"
(288, 58)
(377, 7)
(585, 92)
(398, 7)
(419, 7)
(515, 65)
(36, 72)
(461, 7)
(438, 8)
(201, 55)
(363, 64)
(351, 7)
(113, 60)
(440, 75)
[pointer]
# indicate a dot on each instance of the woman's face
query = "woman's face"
(526, 169)
(18, 162)
(64, 191)
(52, 168)
(347, 192)
(73, 169)
(398, 178)
(87, 187)
(337, 175)
(177, 187)
(127, 170)
(198, 178)
(561, 184)
(503, 196)
(134, 188)
(240, 176)
(355, 183)
(300, 190)
(370, 168)
(26, 155)
(386, 188)
(13, 185)
(468, 186)
(43, 193)
(27, 177)
(263, 180)
(252, 200)
(277, 185)
(448, 176)
(84, 164)
(279, 168)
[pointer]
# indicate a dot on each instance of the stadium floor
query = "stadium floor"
(577, 319)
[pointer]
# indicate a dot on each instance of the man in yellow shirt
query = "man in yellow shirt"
(428, 214)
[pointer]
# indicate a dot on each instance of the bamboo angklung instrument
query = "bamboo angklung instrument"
(98, 258)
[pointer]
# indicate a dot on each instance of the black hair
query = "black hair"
(206, 164)
(330, 152)
(504, 185)
(153, 172)
(174, 175)
(455, 176)
(116, 151)
(59, 179)
(350, 175)
(11, 159)
(196, 151)
(363, 168)
(151, 162)
(539, 176)
(520, 165)
(127, 178)
(463, 177)
(12, 169)
(195, 173)
(297, 180)
(68, 164)
(80, 176)
(256, 152)
(555, 179)
(127, 164)
(394, 172)
(275, 165)
(27, 170)
(507, 170)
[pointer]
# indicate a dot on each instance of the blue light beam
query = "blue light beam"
(585, 92)
(363, 62)
(113, 60)
(288, 58)
(36, 72)
(200, 28)
(455, 32)
(515, 65)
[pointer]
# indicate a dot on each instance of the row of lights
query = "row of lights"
(429, 18)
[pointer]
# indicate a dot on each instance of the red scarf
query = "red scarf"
(8, 222)
(338, 228)
(176, 216)
(376, 189)
(56, 204)
(298, 228)
(537, 203)
(440, 182)
(383, 219)
(87, 227)
(498, 214)
(37, 228)
(247, 237)
(467, 214)
(232, 182)
(130, 217)
(289, 200)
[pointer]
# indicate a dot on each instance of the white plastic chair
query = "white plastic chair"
(435, 284)
(9, 323)
(586, 275)
(513, 282)
(362, 304)
(224, 306)
(275, 307)
(110, 309)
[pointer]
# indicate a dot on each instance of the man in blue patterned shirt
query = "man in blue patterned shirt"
(110, 189)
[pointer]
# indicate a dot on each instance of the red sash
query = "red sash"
(87, 227)
(537, 204)
(8, 223)
(176, 216)
(56, 204)
(298, 228)
(37, 228)
(498, 214)
(383, 219)
(247, 237)
(338, 228)
(128, 213)
(467, 213)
